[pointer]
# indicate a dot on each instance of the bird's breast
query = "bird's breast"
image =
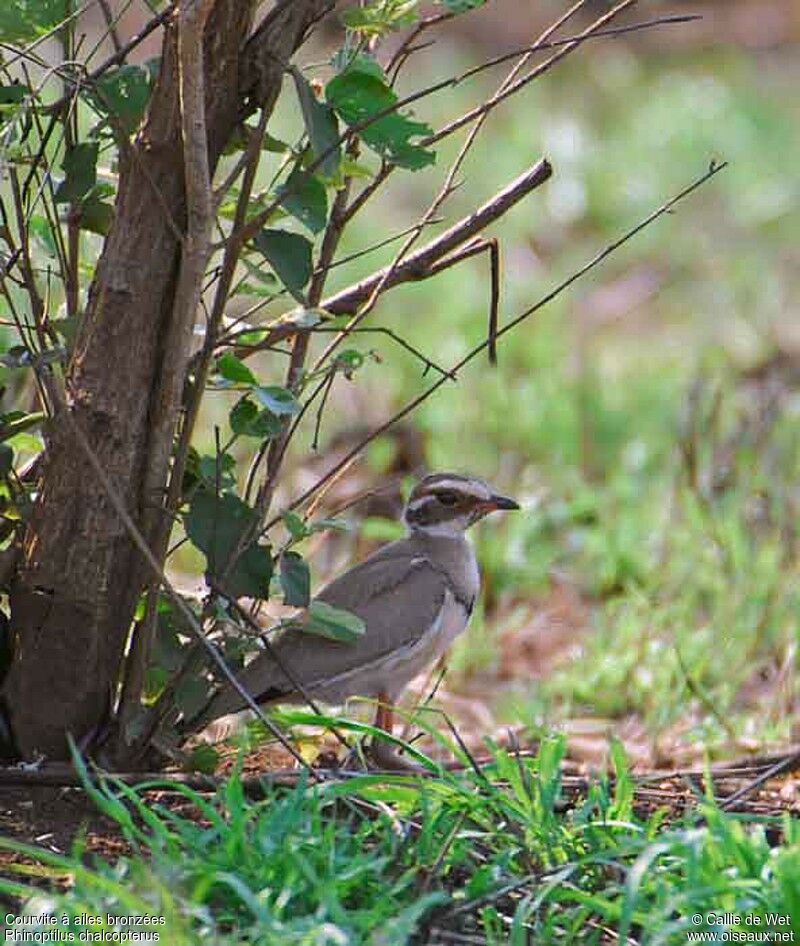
(408, 662)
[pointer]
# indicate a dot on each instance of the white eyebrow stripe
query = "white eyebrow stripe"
(463, 487)
(419, 502)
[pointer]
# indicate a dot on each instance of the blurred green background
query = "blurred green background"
(647, 419)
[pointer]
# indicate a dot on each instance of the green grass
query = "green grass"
(388, 861)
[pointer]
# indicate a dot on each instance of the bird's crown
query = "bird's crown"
(448, 503)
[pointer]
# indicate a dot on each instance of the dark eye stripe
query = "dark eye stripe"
(448, 497)
(427, 510)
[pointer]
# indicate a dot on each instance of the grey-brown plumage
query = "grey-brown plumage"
(414, 596)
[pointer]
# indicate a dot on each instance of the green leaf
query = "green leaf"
(13, 94)
(17, 422)
(334, 623)
(124, 93)
(264, 276)
(273, 145)
(380, 17)
(168, 653)
(305, 198)
(298, 529)
(321, 126)
(209, 468)
(289, 254)
(249, 289)
(40, 228)
(252, 573)
(247, 420)
(96, 215)
(234, 370)
(301, 318)
(216, 525)
(253, 336)
(80, 169)
(358, 95)
(24, 20)
(349, 361)
(67, 328)
(328, 524)
(6, 459)
(295, 579)
(462, 6)
(295, 525)
(277, 400)
(362, 62)
(412, 157)
(350, 168)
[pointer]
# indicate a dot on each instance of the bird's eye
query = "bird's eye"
(447, 498)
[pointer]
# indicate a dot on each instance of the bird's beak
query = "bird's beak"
(502, 502)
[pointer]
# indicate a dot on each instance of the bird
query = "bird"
(414, 596)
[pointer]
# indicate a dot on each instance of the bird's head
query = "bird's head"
(447, 503)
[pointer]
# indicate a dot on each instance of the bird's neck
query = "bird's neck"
(442, 530)
(451, 552)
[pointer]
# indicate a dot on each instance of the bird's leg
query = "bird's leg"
(384, 716)
(382, 754)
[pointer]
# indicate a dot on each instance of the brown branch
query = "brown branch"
(593, 263)
(111, 25)
(58, 775)
(232, 332)
(194, 257)
(203, 366)
(788, 763)
(417, 265)
(494, 300)
(197, 141)
(438, 254)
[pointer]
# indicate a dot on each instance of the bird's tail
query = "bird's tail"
(261, 678)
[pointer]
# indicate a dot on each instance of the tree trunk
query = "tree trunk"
(73, 599)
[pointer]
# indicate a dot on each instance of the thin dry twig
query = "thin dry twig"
(593, 263)
(419, 264)
(786, 764)
(111, 25)
(444, 192)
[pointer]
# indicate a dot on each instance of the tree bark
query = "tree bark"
(72, 601)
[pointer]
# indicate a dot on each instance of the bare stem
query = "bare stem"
(593, 263)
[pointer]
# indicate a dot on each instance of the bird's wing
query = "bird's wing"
(398, 597)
